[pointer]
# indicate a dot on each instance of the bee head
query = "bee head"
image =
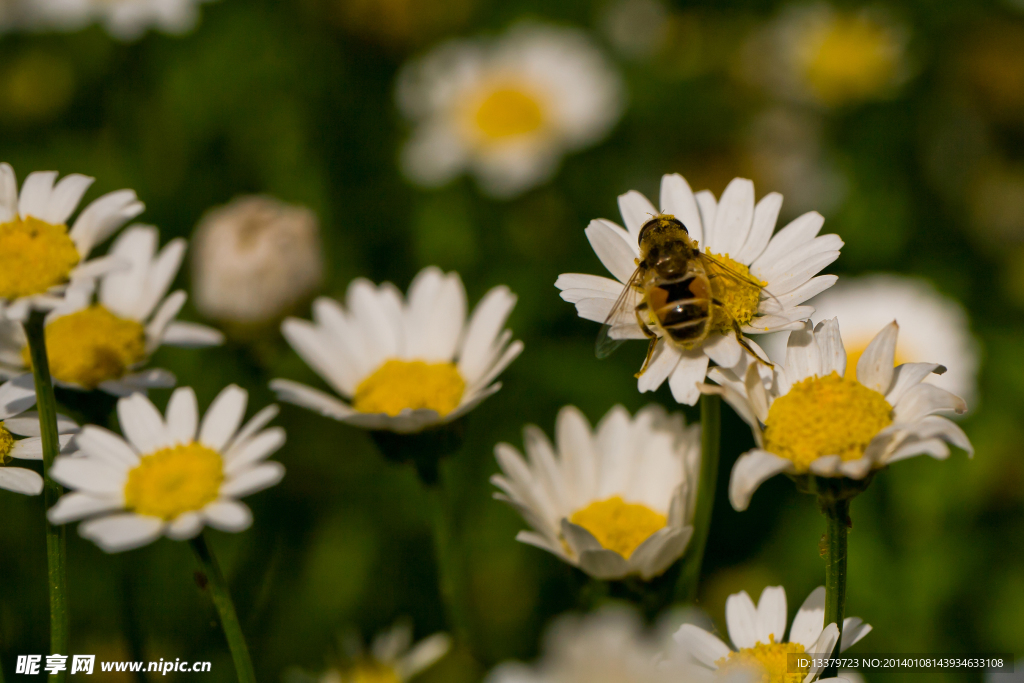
(664, 224)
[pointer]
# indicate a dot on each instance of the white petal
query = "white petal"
(106, 446)
(765, 214)
(182, 415)
(741, 619)
(677, 199)
(909, 375)
(423, 655)
(854, 629)
(191, 335)
(478, 348)
(877, 363)
(603, 564)
(687, 377)
(803, 356)
(313, 399)
(823, 648)
(724, 349)
(799, 231)
(636, 210)
(90, 475)
(142, 424)
(751, 470)
(926, 399)
(35, 194)
(20, 480)
(809, 620)
(32, 447)
(255, 424)
(185, 526)
(705, 647)
(17, 396)
(733, 218)
(228, 515)
(256, 479)
(103, 217)
(707, 206)
(27, 424)
(830, 345)
(664, 361)
(75, 506)
(771, 614)
(223, 417)
(613, 248)
(116, 533)
(253, 450)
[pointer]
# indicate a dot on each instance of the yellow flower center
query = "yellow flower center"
(36, 256)
(854, 59)
(174, 480)
(855, 351)
(398, 385)
(90, 346)
(825, 416)
(373, 673)
(6, 444)
(735, 292)
(618, 525)
(771, 661)
(507, 112)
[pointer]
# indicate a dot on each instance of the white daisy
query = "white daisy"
(932, 326)
(41, 257)
(506, 109)
(809, 417)
(607, 646)
(392, 657)
(615, 501)
(403, 364)
(16, 397)
(739, 233)
(757, 632)
(104, 343)
(168, 477)
(123, 19)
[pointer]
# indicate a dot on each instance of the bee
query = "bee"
(669, 293)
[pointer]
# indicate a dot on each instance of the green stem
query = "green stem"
(452, 576)
(710, 438)
(225, 609)
(56, 539)
(837, 516)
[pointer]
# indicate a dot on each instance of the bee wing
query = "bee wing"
(621, 322)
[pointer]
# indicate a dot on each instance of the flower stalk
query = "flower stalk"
(225, 609)
(837, 516)
(453, 579)
(710, 440)
(56, 537)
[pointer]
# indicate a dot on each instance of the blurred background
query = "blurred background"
(902, 123)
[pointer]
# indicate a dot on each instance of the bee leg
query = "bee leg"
(745, 344)
(650, 354)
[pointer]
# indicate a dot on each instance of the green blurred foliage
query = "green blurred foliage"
(294, 99)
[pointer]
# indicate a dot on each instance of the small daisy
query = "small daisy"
(506, 109)
(810, 417)
(610, 646)
(392, 657)
(614, 501)
(737, 232)
(165, 477)
(16, 397)
(124, 19)
(104, 344)
(404, 364)
(933, 327)
(757, 632)
(41, 257)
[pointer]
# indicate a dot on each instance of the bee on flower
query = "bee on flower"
(105, 343)
(42, 257)
(506, 109)
(614, 501)
(405, 364)
(20, 435)
(697, 276)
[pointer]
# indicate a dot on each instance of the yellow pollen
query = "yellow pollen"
(6, 444)
(855, 351)
(90, 346)
(410, 384)
(34, 256)
(508, 112)
(738, 297)
(618, 525)
(825, 416)
(174, 480)
(854, 58)
(771, 660)
(373, 673)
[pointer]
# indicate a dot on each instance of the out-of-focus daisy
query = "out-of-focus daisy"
(103, 344)
(41, 257)
(829, 56)
(610, 646)
(738, 233)
(758, 634)
(933, 327)
(123, 19)
(506, 109)
(392, 657)
(809, 417)
(254, 260)
(168, 477)
(16, 397)
(614, 501)
(404, 364)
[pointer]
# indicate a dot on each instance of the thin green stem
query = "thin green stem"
(837, 516)
(225, 609)
(710, 438)
(453, 578)
(56, 539)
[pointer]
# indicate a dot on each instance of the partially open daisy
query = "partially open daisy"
(932, 326)
(104, 344)
(810, 418)
(614, 501)
(392, 658)
(404, 364)
(738, 233)
(123, 19)
(758, 634)
(506, 109)
(20, 435)
(168, 477)
(40, 255)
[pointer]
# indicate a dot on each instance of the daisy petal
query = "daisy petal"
(185, 526)
(636, 210)
(228, 515)
(182, 415)
(117, 533)
(223, 417)
(704, 647)
(876, 365)
(615, 252)
(751, 470)
(809, 620)
(741, 619)
(75, 506)
(677, 199)
(772, 614)
(142, 424)
(20, 480)
(253, 480)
